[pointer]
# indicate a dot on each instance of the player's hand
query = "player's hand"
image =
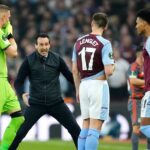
(25, 98)
(7, 29)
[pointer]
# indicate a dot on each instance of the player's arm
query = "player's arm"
(137, 82)
(11, 51)
(107, 58)
(77, 79)
(133, 77)
(109, 69)
(76, 75)
(65, 71)
(21, 77)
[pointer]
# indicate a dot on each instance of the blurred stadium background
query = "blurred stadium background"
(65, 21)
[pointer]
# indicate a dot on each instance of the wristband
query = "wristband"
(10, 36)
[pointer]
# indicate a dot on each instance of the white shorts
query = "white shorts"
(94, 99)
(145, 105)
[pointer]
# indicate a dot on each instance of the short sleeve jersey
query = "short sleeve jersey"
(146, 55)
(92, 52)
(4, 44)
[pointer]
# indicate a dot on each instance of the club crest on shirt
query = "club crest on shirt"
(110, 55)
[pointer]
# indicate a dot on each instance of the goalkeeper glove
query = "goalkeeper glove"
(7, 29)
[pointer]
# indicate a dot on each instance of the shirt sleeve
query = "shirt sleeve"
(4, 42)
(74, 55)
(65, 71)
(147, 46)
(107, 54)
(22, 74)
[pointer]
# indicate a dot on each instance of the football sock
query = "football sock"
(135, 141)
(82, 138)
(10, 132)
(145, 130)
(92, 139)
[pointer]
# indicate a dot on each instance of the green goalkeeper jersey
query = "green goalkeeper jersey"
(4, 44)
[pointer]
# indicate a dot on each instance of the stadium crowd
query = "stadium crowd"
(66, 20)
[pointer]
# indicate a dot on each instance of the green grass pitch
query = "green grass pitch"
(63, 145)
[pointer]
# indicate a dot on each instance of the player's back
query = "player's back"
(90, 53)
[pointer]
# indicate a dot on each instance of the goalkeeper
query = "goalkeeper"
(8, 100)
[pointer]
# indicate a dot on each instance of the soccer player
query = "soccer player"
(43, 68)
(8, 100)
(93, 63)
(143, 27)
(136, 92)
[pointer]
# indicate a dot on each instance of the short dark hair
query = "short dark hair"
(42, 35)
(100, 19)
(4, 7)
(144, 14)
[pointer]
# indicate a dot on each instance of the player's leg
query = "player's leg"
(84, 105)
(134, 106)
(145, 126)
(10, 132)
(12, 107)
(32, 114)
(92, 139)
(63, 115)
(145, 129)
(99, 111)
(145, 115)
(135, 137)
(83, 134)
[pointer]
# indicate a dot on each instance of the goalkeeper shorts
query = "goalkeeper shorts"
(8, 99)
